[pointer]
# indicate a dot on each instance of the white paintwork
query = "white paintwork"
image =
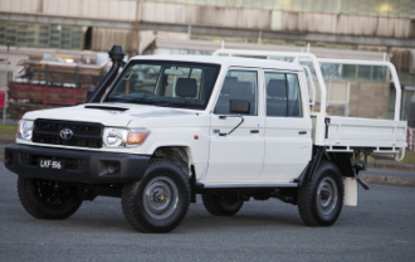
(353, 132)
(239, 156)
(168, 127)
(286, 151)
(274, 157)
(312, 86)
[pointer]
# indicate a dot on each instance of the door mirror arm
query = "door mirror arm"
(223, 117)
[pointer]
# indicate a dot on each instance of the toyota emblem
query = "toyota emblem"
(66, 134)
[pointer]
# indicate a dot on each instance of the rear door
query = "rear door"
(288, 143)
(237, 158)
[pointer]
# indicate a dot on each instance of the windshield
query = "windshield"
(165, 83)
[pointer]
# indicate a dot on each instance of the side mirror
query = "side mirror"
(239, 107)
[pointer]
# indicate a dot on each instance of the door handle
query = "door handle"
(218, 132)
(302, 132)
(254, 131)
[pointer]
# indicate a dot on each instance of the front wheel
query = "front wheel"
(159, 201)
(45, 199)
(320, 200)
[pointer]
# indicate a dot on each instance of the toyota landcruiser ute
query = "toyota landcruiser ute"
(168, 128)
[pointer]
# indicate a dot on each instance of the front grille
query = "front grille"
(85, 134)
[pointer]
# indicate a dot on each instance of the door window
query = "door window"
(283, 95)
(239, 85)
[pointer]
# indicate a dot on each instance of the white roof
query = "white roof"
(224, 61)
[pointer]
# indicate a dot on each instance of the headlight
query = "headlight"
(118, 137)
(25, 130)
(115, 137)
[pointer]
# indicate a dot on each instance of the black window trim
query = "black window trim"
(285, 72)
(240, 68)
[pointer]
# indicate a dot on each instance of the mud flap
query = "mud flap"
(350, 191)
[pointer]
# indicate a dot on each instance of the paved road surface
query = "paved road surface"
(382, 228)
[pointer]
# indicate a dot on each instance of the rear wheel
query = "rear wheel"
(222, 204)
(320, 200)
(45, 199)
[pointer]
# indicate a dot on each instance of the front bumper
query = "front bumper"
(79, 166)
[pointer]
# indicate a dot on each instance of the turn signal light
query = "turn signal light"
(137, 137)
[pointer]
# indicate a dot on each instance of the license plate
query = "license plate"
(49, 163)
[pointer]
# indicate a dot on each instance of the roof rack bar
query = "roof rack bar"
(389, 65)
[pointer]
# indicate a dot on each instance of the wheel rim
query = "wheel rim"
(327, 195)
(160, 197)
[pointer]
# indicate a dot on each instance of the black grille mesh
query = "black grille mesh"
(85, 134)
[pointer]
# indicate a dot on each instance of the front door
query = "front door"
(237, 140)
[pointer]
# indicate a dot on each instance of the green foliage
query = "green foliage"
(409, 158)
(7, 132)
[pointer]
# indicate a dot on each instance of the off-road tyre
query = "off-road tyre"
(165, 183)
(320, 200)
(222, 204)
(44, 199)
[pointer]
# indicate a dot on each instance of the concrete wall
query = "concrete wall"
(206, 15)
(377, 94)
(341, 24)
(105, 9)
(218, 16)
(21, 6)
(104, 38)
(261, 19)
(351, 99)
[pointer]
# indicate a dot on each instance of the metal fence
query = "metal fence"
(61, 75)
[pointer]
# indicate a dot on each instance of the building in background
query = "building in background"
(370, 29)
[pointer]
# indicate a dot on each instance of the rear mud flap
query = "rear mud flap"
(350, 191)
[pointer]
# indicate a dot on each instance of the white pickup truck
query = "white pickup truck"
(167, 128)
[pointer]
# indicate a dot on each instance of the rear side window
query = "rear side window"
(283, 95)
(238, 85)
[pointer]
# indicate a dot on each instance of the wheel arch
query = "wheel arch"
(343, 161)
(180, 153)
